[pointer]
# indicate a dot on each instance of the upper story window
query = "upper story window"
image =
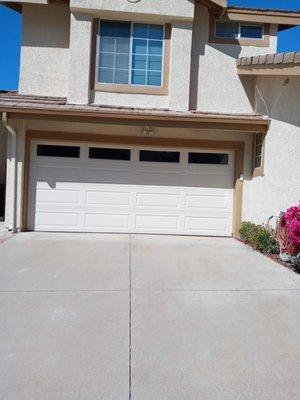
(130, 54)
(236, 30)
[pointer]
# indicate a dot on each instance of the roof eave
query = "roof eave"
(197, 120)
(264, 16)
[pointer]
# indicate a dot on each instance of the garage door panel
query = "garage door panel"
(106, 198)
(56, 173)
(56, 219)
(202, 201)
(46, 196)
(119, 176)
(107, 221)
(160, 200)
(208, 224)
(160, 222)
(92, 195)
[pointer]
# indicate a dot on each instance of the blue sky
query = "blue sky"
(10, 37)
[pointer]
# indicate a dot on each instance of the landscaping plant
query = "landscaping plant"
(259, 237)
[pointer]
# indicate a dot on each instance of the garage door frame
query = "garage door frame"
(236, 146)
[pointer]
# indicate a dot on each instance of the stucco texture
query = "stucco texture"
(215, 84)
(174, 9)
(279, 188)
(45, 50)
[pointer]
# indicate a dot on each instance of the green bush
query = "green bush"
(259, 237)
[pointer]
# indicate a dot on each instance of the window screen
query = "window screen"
(104, 153)
(160, 156)
(131, 53)
(208, 158)
(58, 151)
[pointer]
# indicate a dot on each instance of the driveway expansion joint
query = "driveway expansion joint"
(130, 315)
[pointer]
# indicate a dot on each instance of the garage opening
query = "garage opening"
(92, 187)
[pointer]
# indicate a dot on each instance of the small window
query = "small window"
(58, 151)
(258, 150)
(227, 29)
(104, 153)
(249, 31)
(208, 158)
(160, 156)
(130, 54)
(238, 30)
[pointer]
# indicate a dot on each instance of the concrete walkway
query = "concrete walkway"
(114, 317)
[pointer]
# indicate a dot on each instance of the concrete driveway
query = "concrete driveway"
(114, 317)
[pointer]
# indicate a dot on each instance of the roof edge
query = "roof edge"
(280, 17)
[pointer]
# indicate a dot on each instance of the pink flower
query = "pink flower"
(292, 225)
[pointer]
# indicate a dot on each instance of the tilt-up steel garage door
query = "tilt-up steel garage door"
(90, 187)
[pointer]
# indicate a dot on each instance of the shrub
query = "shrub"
(292, 221)
(259, 237)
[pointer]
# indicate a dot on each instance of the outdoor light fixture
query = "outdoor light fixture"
(147, 130)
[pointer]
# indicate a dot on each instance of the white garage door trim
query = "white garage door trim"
(93, 195)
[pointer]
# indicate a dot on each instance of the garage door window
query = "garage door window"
(208, 158)
(103, 153)
(46, 150)
(160, 156)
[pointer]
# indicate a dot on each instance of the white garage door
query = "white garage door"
(108, 188)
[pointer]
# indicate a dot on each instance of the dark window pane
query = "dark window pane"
(259, 139)
(226, 29)
(252, 31)
(58, 151)
(109, 154)
(123, 29)
(208, 158)
(160, 156)
(108, 28)
(257, 163)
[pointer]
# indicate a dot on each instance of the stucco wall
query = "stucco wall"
(174, 9)
(215, 85)
(179, 83)
(45, 50)
(279, 188)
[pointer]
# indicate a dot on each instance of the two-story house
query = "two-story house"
(149, 116)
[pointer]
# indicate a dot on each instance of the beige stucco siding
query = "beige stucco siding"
(216, 85)
(45, 50)
(172, 9)
(279, 188)
(80, 58)
(80, 68)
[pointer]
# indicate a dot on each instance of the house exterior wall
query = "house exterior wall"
(279, 188)
(171, 9)
(202, 75)
(45, 50)
(215, 84)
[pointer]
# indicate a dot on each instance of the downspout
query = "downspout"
(13, 171)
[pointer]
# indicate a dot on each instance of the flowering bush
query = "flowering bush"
(292, 221)
(292, 226)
